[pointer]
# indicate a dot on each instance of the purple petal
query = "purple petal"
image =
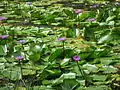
(76, 58)
(21, 41)
(78, 11)
(4, 36)
(62, 39)
(91, 19)
(29, 3)
(2, 18)
(19, 57)
(95, 6)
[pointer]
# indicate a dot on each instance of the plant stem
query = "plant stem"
(83, 75)
(21, 72)
(63, 50)
(81, 71)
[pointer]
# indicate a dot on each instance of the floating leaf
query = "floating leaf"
(91, 68)
(110, 18)
(99, 77)
(105, 38)
(102, 87)
(13, 75)
(65, 61)
(55, 54)
(28, 72)
(109, 69)
(64, 76)
(34, 56)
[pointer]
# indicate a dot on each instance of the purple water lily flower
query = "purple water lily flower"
(76, 58)
(2, 18)
(62, 38)
(21, 41)
(19, 57)
(29, 3)
(95, 6)
(4, 36)
(78, 11)
(91, 19)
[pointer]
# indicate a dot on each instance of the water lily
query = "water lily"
(76, 58)
(21, 41)
(19, 57)
(62, 38)
(83, 74)
(78, 11)
(4, 36)
(2, 18)
(91, 19)
(95, 6)
(29, 3)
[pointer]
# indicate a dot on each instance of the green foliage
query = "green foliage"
(43, 67)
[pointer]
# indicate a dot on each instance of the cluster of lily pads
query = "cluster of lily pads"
(46, 46)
